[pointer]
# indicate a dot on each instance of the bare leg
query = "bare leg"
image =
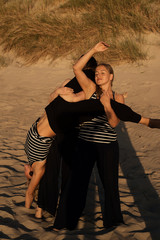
(38, 171)
(27, 170)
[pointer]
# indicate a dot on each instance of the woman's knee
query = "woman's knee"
(38, 169)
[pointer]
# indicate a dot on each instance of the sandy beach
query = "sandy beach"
(24, 94)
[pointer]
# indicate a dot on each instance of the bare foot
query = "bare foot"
(28, 200)
(28, 171)
(38, 213)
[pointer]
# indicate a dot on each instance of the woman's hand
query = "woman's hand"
(111, 116)
(60, 91)
(105, 99)
(101, 47)
(64, 90)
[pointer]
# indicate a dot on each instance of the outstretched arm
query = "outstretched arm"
(124, 113)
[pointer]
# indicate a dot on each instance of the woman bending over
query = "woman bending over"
(39, 140)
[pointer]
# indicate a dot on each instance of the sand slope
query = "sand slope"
(24, 94)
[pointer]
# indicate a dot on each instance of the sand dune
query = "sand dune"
(24, 94)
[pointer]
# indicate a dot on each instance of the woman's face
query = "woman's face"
(102, 76)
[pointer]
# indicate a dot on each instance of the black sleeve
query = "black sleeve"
(88, 109)
(125, 113)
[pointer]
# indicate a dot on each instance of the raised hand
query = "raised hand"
(101, 47)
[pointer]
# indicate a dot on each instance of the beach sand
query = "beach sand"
(24, 94)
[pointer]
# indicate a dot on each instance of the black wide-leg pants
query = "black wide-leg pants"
(73, 198)
(49, 185)
(58, 161)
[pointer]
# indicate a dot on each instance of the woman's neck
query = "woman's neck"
(106, 88)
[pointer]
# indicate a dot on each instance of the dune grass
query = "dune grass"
(39, 29)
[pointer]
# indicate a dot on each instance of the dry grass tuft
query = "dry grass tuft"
(36, 29)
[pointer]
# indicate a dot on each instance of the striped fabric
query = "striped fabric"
(97, 130)
(36, 147)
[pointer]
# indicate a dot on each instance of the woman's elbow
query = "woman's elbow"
(114, 123)
(75, 68)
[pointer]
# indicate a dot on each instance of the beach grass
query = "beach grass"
(36, 29)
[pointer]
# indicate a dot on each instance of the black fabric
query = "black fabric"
(125, 113)
(74, 83)
(49, 184)
(73, 198)
(48, 189)
(76, 113)
(154, 123)
(63, 116)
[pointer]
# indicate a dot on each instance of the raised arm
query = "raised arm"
(87, 84)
